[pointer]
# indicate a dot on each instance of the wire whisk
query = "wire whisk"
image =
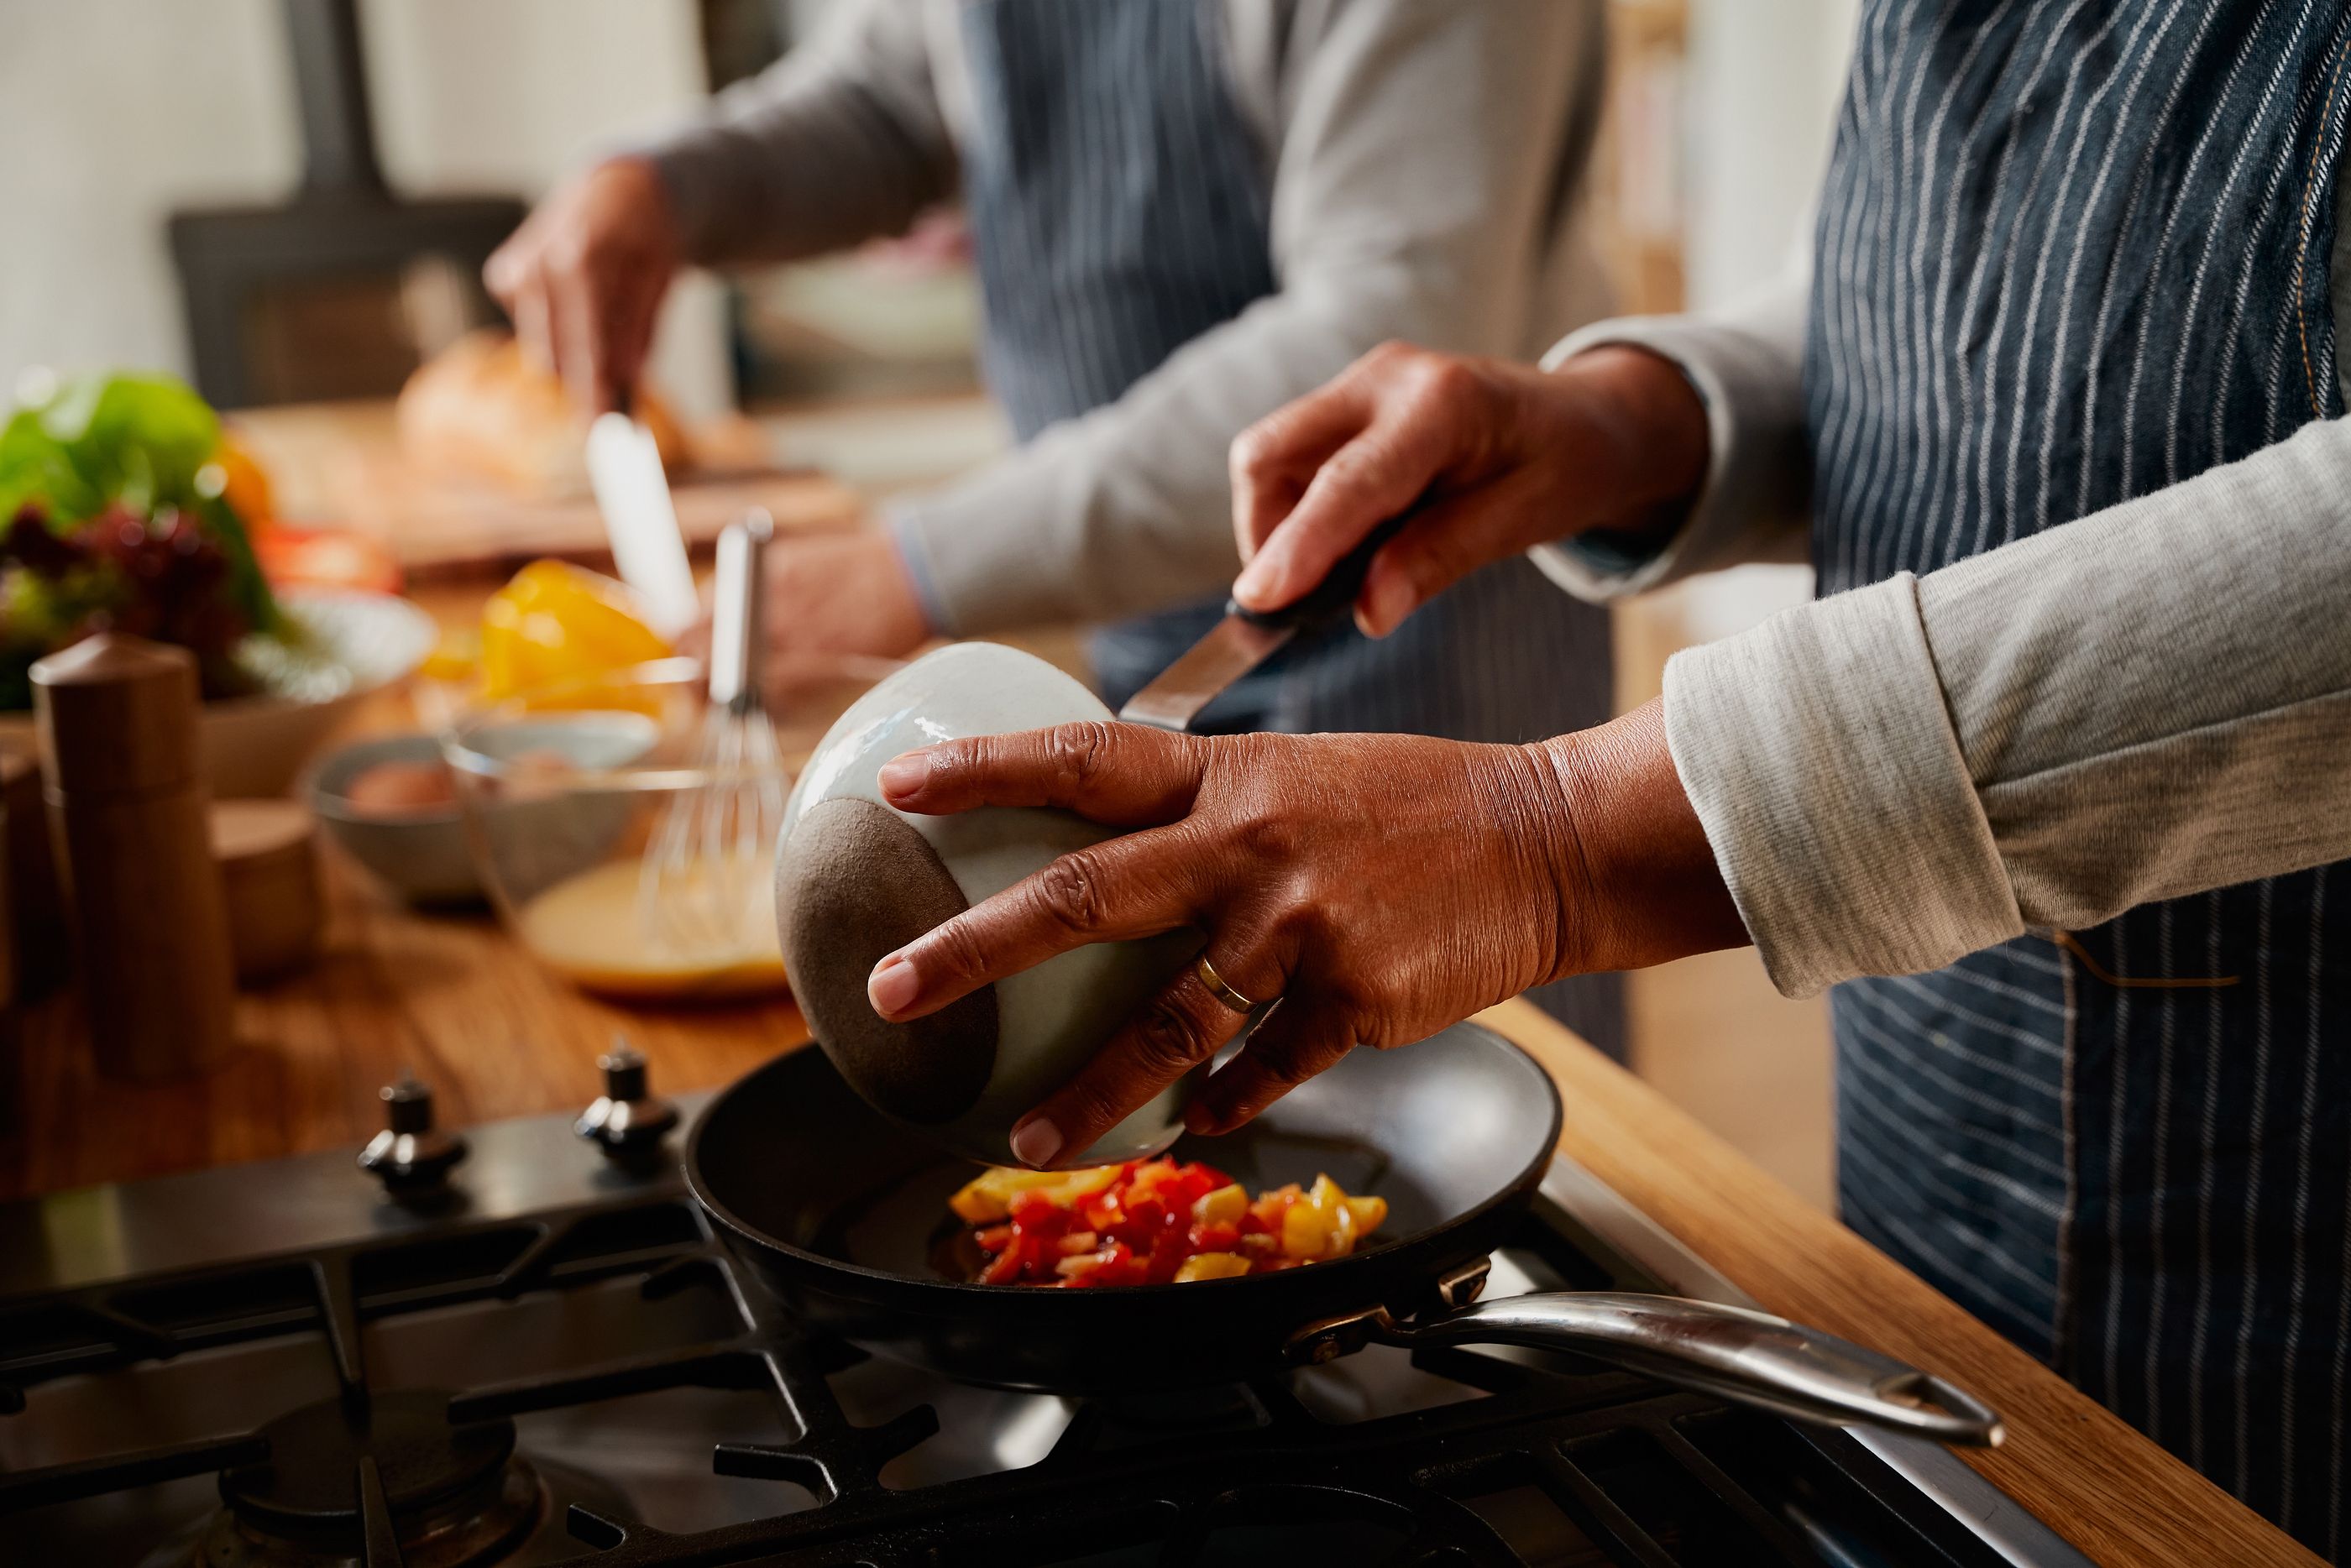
(704, 887)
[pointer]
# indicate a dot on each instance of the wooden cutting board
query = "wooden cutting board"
(340, 465)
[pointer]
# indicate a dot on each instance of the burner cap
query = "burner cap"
(309, 1483)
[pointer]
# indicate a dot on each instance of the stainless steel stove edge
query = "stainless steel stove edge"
(234, 1214)
(1996, 1519)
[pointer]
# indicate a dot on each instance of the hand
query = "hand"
(1491, 457)
(834, 593)
(1383, 886)
(584, 277)
(842, 593)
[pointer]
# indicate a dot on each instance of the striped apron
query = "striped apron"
(2071, 252)
(1118, 209)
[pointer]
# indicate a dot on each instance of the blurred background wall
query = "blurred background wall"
(1763, 84)
(129, 109)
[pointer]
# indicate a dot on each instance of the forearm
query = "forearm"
(1637, 881)
(2148, 702)
(840, 141)
(1745, 364)
(1125, 510)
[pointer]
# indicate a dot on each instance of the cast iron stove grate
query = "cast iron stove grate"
(1529, 1460)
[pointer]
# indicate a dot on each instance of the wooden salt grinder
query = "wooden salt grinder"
(117, 718)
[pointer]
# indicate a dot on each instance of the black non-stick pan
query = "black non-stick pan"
(842, 1215)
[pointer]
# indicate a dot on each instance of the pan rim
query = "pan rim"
(1326, 1274)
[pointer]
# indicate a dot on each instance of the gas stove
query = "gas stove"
(518, 1347)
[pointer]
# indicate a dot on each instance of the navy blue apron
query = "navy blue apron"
(1118, 209)
(2069, 254)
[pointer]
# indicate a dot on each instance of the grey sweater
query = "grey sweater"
(1423, 157)
(2150, 701)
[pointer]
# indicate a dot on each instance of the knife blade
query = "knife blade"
(1246, 638)
(624, 468)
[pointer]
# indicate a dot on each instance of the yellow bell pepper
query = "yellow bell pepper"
(1224, 1206)
(1210, 1266)
(556, 623)
(456, 657)
(1325, 1223)
(988, 1197)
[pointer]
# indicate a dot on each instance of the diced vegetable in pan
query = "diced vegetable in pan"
(1153, 1221)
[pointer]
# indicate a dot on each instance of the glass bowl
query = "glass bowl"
(625, 840)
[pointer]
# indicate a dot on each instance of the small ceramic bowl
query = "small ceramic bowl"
(585, 803)
(856, 879)
(422, 855)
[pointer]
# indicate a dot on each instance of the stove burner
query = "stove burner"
(605, 1341)
(1176, 1412)
(456, 1491)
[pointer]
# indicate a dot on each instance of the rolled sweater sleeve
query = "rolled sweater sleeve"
(2150, 701)
(1387, 222)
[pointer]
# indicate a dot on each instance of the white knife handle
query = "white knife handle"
(632, 492)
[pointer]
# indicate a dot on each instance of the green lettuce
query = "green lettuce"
(140, 440)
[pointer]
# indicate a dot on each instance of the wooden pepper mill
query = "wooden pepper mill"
(117, 718)
(36, 911)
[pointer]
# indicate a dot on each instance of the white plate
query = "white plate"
(255, 745)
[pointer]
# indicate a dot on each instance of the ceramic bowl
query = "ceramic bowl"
(1048, 1020)
(578, 797)
(420, 855)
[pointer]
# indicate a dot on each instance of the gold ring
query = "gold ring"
(1219, 990)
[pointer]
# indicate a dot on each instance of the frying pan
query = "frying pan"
(842, 1216)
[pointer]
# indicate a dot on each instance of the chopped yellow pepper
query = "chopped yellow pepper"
(1211, 1266)
(456, 657)
(987, 1198)
(1224, 1206)
(555, 623)
(1325, 1223)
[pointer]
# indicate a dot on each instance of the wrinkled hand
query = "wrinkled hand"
(584, 277)
(842, 593)
(833, 593)
(1491, 458)
(1383, 886)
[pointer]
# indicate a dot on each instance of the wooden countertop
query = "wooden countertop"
(454, 1000)
(2114, 1495)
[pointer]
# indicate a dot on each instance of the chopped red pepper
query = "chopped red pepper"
(1153, 1221)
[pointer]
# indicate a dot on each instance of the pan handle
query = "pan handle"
(1748, 1356)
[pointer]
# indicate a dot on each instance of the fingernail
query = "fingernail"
(1390, 602)
(905, 775)
(1255, 581)
(891, 987)
(1035, 1142)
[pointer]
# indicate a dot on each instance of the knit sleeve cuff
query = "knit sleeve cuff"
(1744, 507)
(1820, 755)
(917, 566)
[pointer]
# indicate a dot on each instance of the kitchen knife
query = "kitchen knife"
(624, 468)
(1246, 638)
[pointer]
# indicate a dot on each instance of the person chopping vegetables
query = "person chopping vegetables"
(2051, 786)
(1184, 212)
